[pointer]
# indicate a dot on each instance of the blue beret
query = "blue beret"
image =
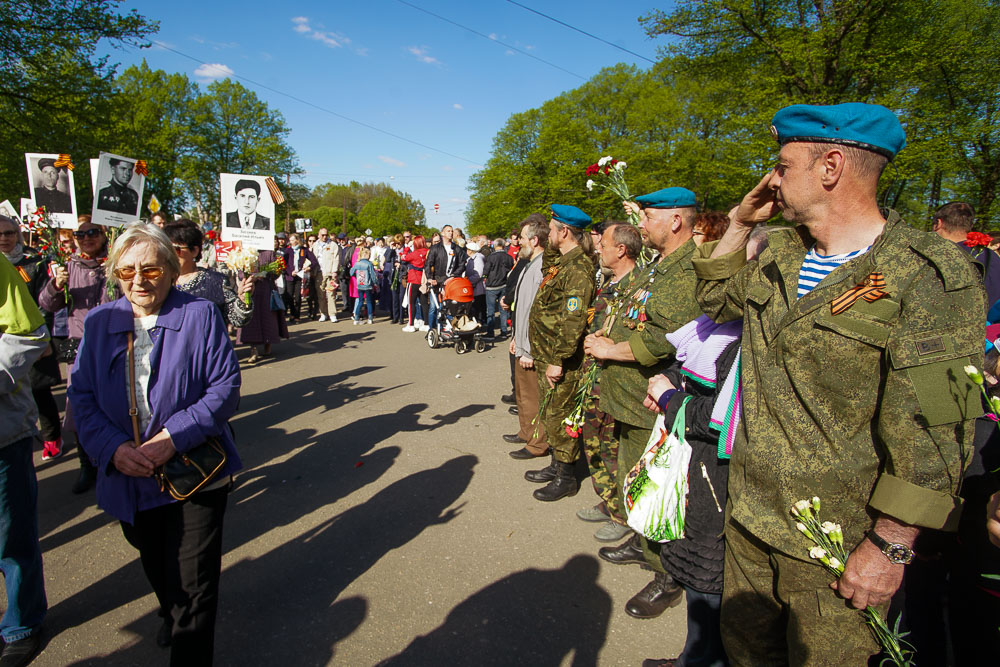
(570, 215)
(868, 126)
(668, 198)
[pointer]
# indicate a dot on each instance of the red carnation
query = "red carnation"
(975, 239)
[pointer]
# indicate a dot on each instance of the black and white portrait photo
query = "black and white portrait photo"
(118, 190)
(248, 211)
(51, 184)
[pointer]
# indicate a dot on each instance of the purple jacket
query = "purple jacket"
(300, 257)
(193, 391)
(86, 288)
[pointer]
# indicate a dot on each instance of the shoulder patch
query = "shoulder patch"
(573, 304)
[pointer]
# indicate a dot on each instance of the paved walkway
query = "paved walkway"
(378, 518)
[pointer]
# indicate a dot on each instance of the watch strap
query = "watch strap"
(900, 554)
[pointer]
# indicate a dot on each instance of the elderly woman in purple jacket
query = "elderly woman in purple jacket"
(187, 382)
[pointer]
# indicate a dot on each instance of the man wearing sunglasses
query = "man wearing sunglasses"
(84, 276)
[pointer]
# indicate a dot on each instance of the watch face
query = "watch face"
(899, 554)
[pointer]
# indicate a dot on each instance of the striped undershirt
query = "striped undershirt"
(815, 267)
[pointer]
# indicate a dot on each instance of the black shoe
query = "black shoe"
(85, 480)
(626, 553)
(524, 454)
(512, 410)
(514, 439)
(164, 636)
(508, 399)
(21, 651)
(655, 598)
(546, 474)
(563, 486)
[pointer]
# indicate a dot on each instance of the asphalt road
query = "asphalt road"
(377, 518)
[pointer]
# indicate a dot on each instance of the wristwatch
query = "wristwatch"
(899, 554)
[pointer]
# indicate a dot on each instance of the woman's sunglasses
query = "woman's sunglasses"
(88, 233)
(149, 273)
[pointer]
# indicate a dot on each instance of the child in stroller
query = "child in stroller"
(457, 323)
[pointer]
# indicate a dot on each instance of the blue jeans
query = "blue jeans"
(20, 557)
(703, 647)
(366, 296)
(492, 306)
(432, 317)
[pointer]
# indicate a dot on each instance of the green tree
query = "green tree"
(56, 95)
(233, 131)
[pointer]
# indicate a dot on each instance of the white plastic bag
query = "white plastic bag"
(656, 488)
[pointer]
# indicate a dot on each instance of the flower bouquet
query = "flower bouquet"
(245, 260)
(40, 225)
(613, 169)
(831, 553)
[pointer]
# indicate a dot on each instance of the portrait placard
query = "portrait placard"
(118, 190)
(303, 225)
(7, 209)
(93, 174)
(26, 210)
(247, 211)
(51, 186)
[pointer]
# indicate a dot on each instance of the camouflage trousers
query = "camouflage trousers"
(564, 447)
(600, 446)
(779, 610)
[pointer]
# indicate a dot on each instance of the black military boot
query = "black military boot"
(629, 551)
(655, 598)
(564, 484)
(546, 474)
(88, 473)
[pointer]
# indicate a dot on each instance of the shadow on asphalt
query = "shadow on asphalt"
(292, 590)
(282, 607)
(533, 617)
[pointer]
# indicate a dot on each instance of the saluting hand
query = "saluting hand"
(759, 205)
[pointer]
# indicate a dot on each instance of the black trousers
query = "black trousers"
(180, 546)
(293, 296)
(48, 413)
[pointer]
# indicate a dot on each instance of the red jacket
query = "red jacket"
(416, 259)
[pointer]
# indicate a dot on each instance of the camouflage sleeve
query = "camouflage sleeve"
(571, 326)
(927, 414)
(667, 311)
(722, 282)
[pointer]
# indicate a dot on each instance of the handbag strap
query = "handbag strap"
(133, 411)
(680, 423)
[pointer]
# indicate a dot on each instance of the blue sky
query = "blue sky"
(396, 68)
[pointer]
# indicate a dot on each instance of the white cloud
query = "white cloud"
(211, 71)
(457, 200)
(458, 106)
(391, 160)
(421, 53)
(494, 36)
(447, 167)
(301, 25)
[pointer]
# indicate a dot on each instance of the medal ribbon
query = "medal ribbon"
(871, 289)
(63, 161)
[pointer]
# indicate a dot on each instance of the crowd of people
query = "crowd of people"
(834, 360)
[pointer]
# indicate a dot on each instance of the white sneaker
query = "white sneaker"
(409, 329)
(333, 318)
(424, 327)
(357, 322)
(369, 320)
(418, 323)
(322, 318)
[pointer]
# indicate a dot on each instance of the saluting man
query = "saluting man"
(856, 329)
(556, 327)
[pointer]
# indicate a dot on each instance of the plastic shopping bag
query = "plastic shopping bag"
(656, 488)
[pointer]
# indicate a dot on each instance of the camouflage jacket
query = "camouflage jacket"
(670, 305)
(558, 319)
(868, 409)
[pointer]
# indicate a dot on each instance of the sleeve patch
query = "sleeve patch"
(573, 304)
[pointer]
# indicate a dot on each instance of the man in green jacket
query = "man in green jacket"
(556, 327)
(856, 331)
(634, 347)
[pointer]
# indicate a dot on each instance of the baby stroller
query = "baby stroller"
(455, 322)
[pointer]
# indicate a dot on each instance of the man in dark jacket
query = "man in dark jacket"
(445, 260)
(954, 222)
(346, 253)
(498, 265)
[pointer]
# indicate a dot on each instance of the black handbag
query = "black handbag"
(185, 473)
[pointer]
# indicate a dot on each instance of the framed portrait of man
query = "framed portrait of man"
(247, 211)
(51, 185)
(118, 191)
